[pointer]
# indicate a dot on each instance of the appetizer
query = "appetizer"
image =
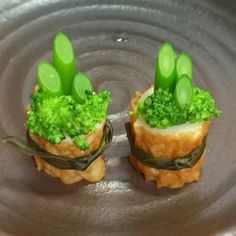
(169, 123)
(66, 120)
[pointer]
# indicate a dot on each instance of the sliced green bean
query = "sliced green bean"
(183, 91)
(165, 68)
(49, 80)
(81, 84)
(64, 61)
(184, 66)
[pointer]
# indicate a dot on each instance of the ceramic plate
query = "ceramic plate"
(116, 43)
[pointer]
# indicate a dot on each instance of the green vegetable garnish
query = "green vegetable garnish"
(81, 84)
(57, 118)
(81, 143)
(160, 110)
(184, 66)
(49, 80)
(64, 61)
(175, 101)
(202, 106)
(165, 68)
(183, 91)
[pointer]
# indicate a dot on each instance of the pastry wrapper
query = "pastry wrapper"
(94, 173)
(165, 144)
(65, 160)
(179, 163)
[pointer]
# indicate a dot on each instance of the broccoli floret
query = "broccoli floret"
(81, 143)
(54, 118)
(202, 107)
(161, 111)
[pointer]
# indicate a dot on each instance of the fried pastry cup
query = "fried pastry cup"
(94, 173)
(170, 143)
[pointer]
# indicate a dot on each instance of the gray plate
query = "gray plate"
(116, 43)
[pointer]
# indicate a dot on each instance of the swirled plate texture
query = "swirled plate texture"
(116, 43)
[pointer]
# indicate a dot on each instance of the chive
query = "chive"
(81, 84)
(64, 61)
(184, 66)
(49, 80)
(183, 91)
(165, 68)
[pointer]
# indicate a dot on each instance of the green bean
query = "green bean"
(165, 68)
(184, 66)
(183, 91)
(49, 80)
(81, 84)
(64, 61)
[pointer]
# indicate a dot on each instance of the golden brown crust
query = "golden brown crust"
(167, 178)
(166, 145)
(94, 173)
(68, 149)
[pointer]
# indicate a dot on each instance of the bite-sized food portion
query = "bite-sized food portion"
(169, 123)
(66, 120)
(62, 126)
